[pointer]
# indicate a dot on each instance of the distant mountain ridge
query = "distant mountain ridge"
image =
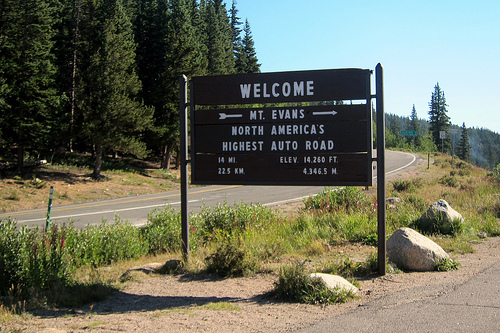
(485, 144)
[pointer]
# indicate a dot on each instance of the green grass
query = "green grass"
(219, 306)
(62, 265)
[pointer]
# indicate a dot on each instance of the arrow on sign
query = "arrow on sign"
(224, 116)
(324, 113)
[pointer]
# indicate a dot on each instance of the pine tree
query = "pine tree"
(415, 126)
(439, 120)
(27, 67)
(393, 134)
(491, 154)
(150, 30)
(246, 60)
(183, 56)
(463, 145)
(235, 29)
(65, 49)
(218, 39)
(109, 84)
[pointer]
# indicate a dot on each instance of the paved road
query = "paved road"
(136, 209)
(473, 306)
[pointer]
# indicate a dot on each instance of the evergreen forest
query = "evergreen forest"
(100, 78)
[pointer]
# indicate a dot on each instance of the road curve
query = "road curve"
(136, 210)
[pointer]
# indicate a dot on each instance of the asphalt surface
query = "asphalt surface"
(136, 209)
(473, 306)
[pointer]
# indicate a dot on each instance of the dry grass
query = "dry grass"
(74, 185)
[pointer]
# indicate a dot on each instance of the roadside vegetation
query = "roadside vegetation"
(332, 232)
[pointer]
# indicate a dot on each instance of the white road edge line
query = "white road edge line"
(106, 211)
(414, 158)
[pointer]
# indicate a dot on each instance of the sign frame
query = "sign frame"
(214, 94)
(380, 159)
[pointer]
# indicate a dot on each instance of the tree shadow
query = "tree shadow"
(102, 299)
(122, 302)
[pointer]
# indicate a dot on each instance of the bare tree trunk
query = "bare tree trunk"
(76, 11)
(98, 161)
(166, 156)
(20, 142)
(20, 157)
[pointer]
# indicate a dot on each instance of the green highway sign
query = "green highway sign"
(409, 133)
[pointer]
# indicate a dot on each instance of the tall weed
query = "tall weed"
(346, 199)
(106, 243)
(11, 245)
(225, 221)
(355, 227)
(162, 233)
(31, 259)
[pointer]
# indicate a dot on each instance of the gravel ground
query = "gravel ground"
(181, 303)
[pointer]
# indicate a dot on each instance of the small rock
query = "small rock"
(440, 217)
(335, 281)
(170, 266)
(146, 269)
(393, 200)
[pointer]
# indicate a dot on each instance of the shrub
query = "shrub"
(295, 284)
(349, 268)
(404, 185)
(229, 260)
(400, 185)
(416, 202)
(450, 181)
(496, 172)
(370, 239)
(446, 264)
(356, 227)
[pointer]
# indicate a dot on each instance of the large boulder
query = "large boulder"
(413, 251)
(335, 281)
(441, 217)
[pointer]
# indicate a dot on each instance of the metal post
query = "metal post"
(381, 226)
(49, 208)
(184, 164)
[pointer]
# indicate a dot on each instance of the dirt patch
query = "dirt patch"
(74, 185)
(189, 303)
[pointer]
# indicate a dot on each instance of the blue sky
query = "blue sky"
(419, 43)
